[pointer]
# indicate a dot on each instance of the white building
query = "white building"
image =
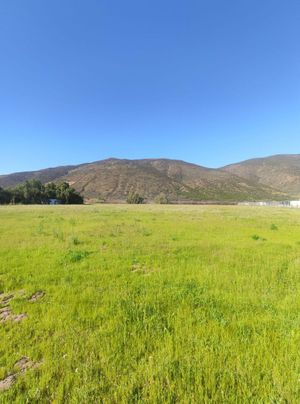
(295, 204)
(282, 204)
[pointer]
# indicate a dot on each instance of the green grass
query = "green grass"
(159, 304)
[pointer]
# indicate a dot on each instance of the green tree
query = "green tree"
(5, 196)
(68, 195)
(134, 198)
(33, 192)
(17, 194)
(50, 191)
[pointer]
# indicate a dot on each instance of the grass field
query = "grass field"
(160, 304)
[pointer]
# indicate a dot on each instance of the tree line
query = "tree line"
(34, 192)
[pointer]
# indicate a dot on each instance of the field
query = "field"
(159, 304)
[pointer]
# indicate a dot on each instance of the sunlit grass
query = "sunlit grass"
(152, 303)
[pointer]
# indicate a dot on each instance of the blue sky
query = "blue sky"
(206, 81)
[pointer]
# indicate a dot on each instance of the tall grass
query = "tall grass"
(152, 303)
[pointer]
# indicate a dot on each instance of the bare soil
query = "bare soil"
(36, 296)
(6, 383)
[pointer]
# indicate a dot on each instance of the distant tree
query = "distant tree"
(62, 191)
(33, 192)
(17, 194)
(134, 198)
(68, 195)
(5, 196)
(50, 191)
(162, 199)
(74, 198)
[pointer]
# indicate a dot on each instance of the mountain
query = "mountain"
(111, 180)
(46, 175)
(281, 172)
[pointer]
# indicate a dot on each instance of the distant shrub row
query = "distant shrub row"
(34, 192)
(135, 198)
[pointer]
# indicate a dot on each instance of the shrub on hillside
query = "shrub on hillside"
(162, 199)
(134, 198)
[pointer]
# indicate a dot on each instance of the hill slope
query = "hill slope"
(281, 172)
(112, 179)
(46, 175)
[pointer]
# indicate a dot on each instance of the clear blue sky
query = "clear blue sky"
(207, 81)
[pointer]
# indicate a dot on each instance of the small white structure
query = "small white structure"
(278, 204)
(295, 204)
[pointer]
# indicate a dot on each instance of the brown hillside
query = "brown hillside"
(112, 179)
(281, 172)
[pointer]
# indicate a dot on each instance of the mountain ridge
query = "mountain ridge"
(112, 179)
(280, 171)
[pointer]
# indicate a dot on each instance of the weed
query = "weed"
(75, 240)
(257, 238)
(76, 256)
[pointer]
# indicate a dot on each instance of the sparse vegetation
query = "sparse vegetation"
(134, 198)
(281, 172)
(256, 237)
(109, 180)
(162, 199)
(154, 304)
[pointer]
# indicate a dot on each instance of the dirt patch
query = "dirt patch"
(21, 366)
(142, 269)
(24, 364)
(6, 299)
(16, 318)
(36, 296)
(6, 383)
(7, 315)
(137, 268)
